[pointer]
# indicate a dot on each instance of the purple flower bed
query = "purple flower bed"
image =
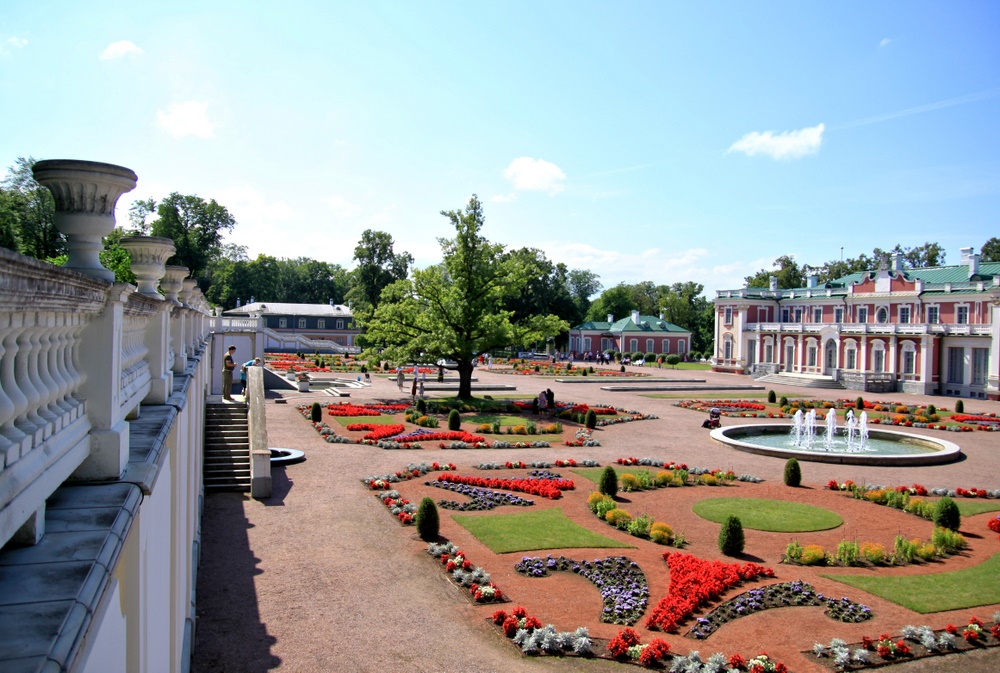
(622, 583)
(480, 498)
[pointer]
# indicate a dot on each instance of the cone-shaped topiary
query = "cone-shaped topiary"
(859, 405)
(316, 413)
(793, 473)
(591, 421)
(771, 396)
(422, 405)
(960, 407)
(608, 485)
(946, 514)
(931, 410)
(428, 524)
(783, 402)
(731, 539)
(454, 420)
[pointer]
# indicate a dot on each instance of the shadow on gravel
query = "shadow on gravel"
(280, 486)
(229, 636)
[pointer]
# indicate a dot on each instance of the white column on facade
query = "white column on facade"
(993, 370)
(892, 357)
(926, 365)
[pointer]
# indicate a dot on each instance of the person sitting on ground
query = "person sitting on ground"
(713, 420)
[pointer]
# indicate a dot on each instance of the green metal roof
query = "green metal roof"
(647, 323)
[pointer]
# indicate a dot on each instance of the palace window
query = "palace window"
(932, 314)
(768, 352)
(728, 315)
(909, 361)
(633, 345)
(666, 346)
(586, 344)
(904, 315)
(340, 324)
(980, 362)
(649, 346)
(862, 314)
(282, 322)
(798, 314)
(881, 315)
(818, 314)
(811, 355)
(838, 314)
(784, 315)
(302, 323)
(878, 358)
(852, 357)
(681, 346)
(962, 315)
(727, 348)
(321, 324)
(956, 365)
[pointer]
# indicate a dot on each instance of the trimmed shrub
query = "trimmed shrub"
(422, 406)
(783, 402)
(859, 405)
(316, 413)
(629, 482)
(454, 420)
(771, 397)
(946, 514)
(664, 477)
(960, 407)
(428, 524)
(622, 369)
(931, 410)
(618, 518)
(591, 421)
(608, 485)
(731, 540)
(673, 359)
(793, 473)
(660, 533)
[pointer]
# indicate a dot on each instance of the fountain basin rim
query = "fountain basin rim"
(945, 451)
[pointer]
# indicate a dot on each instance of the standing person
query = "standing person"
(550, 399)
(413, 390)
(243, 373)
(420, 388)
(542, 402)
(400, 377)
(228, 365)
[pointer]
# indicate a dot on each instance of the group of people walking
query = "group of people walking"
(228, 367)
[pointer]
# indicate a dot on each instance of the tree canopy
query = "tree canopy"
(378, 266)
(452, 310)
(196, 227)
(27, 210)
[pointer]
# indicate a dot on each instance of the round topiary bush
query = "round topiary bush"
(793, 473)
(859, 405)
(946, 514)
(783, 402)
(608, 484)
(454, 420)
(316, 413)
(960, 407)
(622, 369)
(673, 359)
(731, 538)
(771, 397)
(427, 520)
(591, 421)
(422, 406)
(931, 410)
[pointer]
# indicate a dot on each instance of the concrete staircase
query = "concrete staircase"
(801, 381)
(227, 448)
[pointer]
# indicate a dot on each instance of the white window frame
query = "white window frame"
(727, 315)
(665, 347)
(681, 346)
(851, 356)
(340, 324)
(838, 314)
(650, 348)
(818, 314)
(798, 314)
(932, 314)
(633, 345)
(908, 366)
(862, 314)
(962, 310)
(786, 315)
(882, 315)
(320, 323)
(282, 322)
(904, 315)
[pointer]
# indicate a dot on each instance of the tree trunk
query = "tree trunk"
(465, 380)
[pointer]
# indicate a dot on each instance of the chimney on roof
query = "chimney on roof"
(611, 318)
(772, 283)
(897, 261)
(635, 317)
(251, 300)
(331, 301)
(966, 254)
(661, 315)
(811, 280)
(237, 302)
(973, 265)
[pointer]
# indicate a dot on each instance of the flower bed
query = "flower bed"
(462, 572)
(622, 583)
(412, 471)
(352, 409)
(777, 596)
(912, 643)
(377, 432)
(398, 506)
(694, 583)
(480, 499)
(547, 488)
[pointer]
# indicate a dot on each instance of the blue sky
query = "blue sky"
(642, 140)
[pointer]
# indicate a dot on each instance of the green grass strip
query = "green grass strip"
(373, 420)
(776, 516)
(544, 529)
(935, 592)
(973, 507)
(504, 420)
(693, 395)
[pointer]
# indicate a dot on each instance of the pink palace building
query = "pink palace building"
(929, 331)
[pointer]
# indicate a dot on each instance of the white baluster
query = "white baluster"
(27, 379)
(38, 365)
(8, 412)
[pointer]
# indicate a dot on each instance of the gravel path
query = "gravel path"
(316, 579)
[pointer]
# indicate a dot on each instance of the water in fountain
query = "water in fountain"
(810, 427)
(852, 428)
(864, 430)
(797, 428)
(831, 428)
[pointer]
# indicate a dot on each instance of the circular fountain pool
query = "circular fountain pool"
(884, 447)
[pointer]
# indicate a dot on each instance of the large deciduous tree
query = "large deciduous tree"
(378, 266)
(617, 301)
(786, 269)
(27, 214)
(452, 310)
(990, 252)
(196, 227)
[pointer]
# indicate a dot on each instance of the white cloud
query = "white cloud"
(784, 145)
(189, 118)
(119, 49)
(17, 42)
(504, 198)
(885, 42)
(341, 206)
(538, 175)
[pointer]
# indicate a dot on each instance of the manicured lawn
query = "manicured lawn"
(935, 592)
(545, 529)
(744, 394)
(769, 515)
(594, 473)
(973, 507)
(373, 420)
(506, 420)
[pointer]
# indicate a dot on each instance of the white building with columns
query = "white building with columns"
(930, 331)
(102, 395)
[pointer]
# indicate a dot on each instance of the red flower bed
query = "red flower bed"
(546, 488)
(671, 465)
(695, 582)
(447, 435)
(994, 524)
(971, 492)
(350, 409)
(377, 432)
